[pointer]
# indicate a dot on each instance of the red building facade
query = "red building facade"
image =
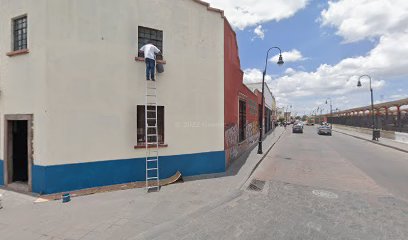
(241, 105)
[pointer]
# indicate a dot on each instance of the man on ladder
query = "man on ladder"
(150, 52)
(151, 123)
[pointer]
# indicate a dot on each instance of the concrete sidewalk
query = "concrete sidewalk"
(128, 213)
(368, 137)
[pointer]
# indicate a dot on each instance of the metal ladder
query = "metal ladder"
(152, 137)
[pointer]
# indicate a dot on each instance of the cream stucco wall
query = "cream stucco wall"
(23, 78)
(82, 84)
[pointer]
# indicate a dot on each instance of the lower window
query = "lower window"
(242, 120)
(141, 124)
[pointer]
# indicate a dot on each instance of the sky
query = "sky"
(326, 46)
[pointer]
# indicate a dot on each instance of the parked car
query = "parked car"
(324, 130)
(297, 128)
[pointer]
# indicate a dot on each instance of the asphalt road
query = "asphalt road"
(345, 162)
(313, 187)
(386, 166)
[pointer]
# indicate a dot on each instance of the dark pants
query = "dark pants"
(150, 64)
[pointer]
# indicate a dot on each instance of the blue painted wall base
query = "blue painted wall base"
(62, 178)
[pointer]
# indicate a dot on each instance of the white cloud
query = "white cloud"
(246, 13)
(398, 96)
(254, 75)
(292, 56)
(385, 21)
(259, 32)
(382, 62)
(360, 19)
(290, 71)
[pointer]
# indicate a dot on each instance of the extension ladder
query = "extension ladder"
(152, 137)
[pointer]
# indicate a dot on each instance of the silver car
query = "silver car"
(324, 130)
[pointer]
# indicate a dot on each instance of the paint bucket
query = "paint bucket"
(66, 198)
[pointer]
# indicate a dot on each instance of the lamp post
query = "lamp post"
(280, 62)
(331, 112)
(372, 102)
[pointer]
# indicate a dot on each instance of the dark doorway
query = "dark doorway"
(19, 150)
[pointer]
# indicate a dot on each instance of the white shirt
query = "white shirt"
(149, 51)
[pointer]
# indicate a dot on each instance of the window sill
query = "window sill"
(18, 52)
(140, 59)
(142, 146)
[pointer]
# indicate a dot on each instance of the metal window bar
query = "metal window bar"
(20, 33)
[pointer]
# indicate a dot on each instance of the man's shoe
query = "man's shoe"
(148, 79)
(153, 79)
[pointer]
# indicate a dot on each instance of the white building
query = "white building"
(270, 104)
(70, 90)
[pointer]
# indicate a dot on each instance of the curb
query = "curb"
(375, 142)
(262, 158)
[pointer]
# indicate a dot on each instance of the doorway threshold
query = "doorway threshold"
(21, 187)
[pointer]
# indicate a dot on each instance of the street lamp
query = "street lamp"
(280, 62)
(372, 103)
(331, 112)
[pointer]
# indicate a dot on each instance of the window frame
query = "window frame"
(241, 120)
(140, 120)
(142, 37)
(24, 45)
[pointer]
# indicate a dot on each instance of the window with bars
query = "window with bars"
(242, 120)
(20, 33)
(141, 128)
(146, 35)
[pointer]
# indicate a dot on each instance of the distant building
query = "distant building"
(280, 112)
(270, 114)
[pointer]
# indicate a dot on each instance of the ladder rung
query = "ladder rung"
(151, 110)
(151, 118)
(156, 186)
(151, 95)
(151, 88)
(151, 135)
(152, 143)
(151, 169)
(151, 178)
(151, 160)
(152, 126)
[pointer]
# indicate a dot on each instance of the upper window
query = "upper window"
(150, 35)
(20, 33)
